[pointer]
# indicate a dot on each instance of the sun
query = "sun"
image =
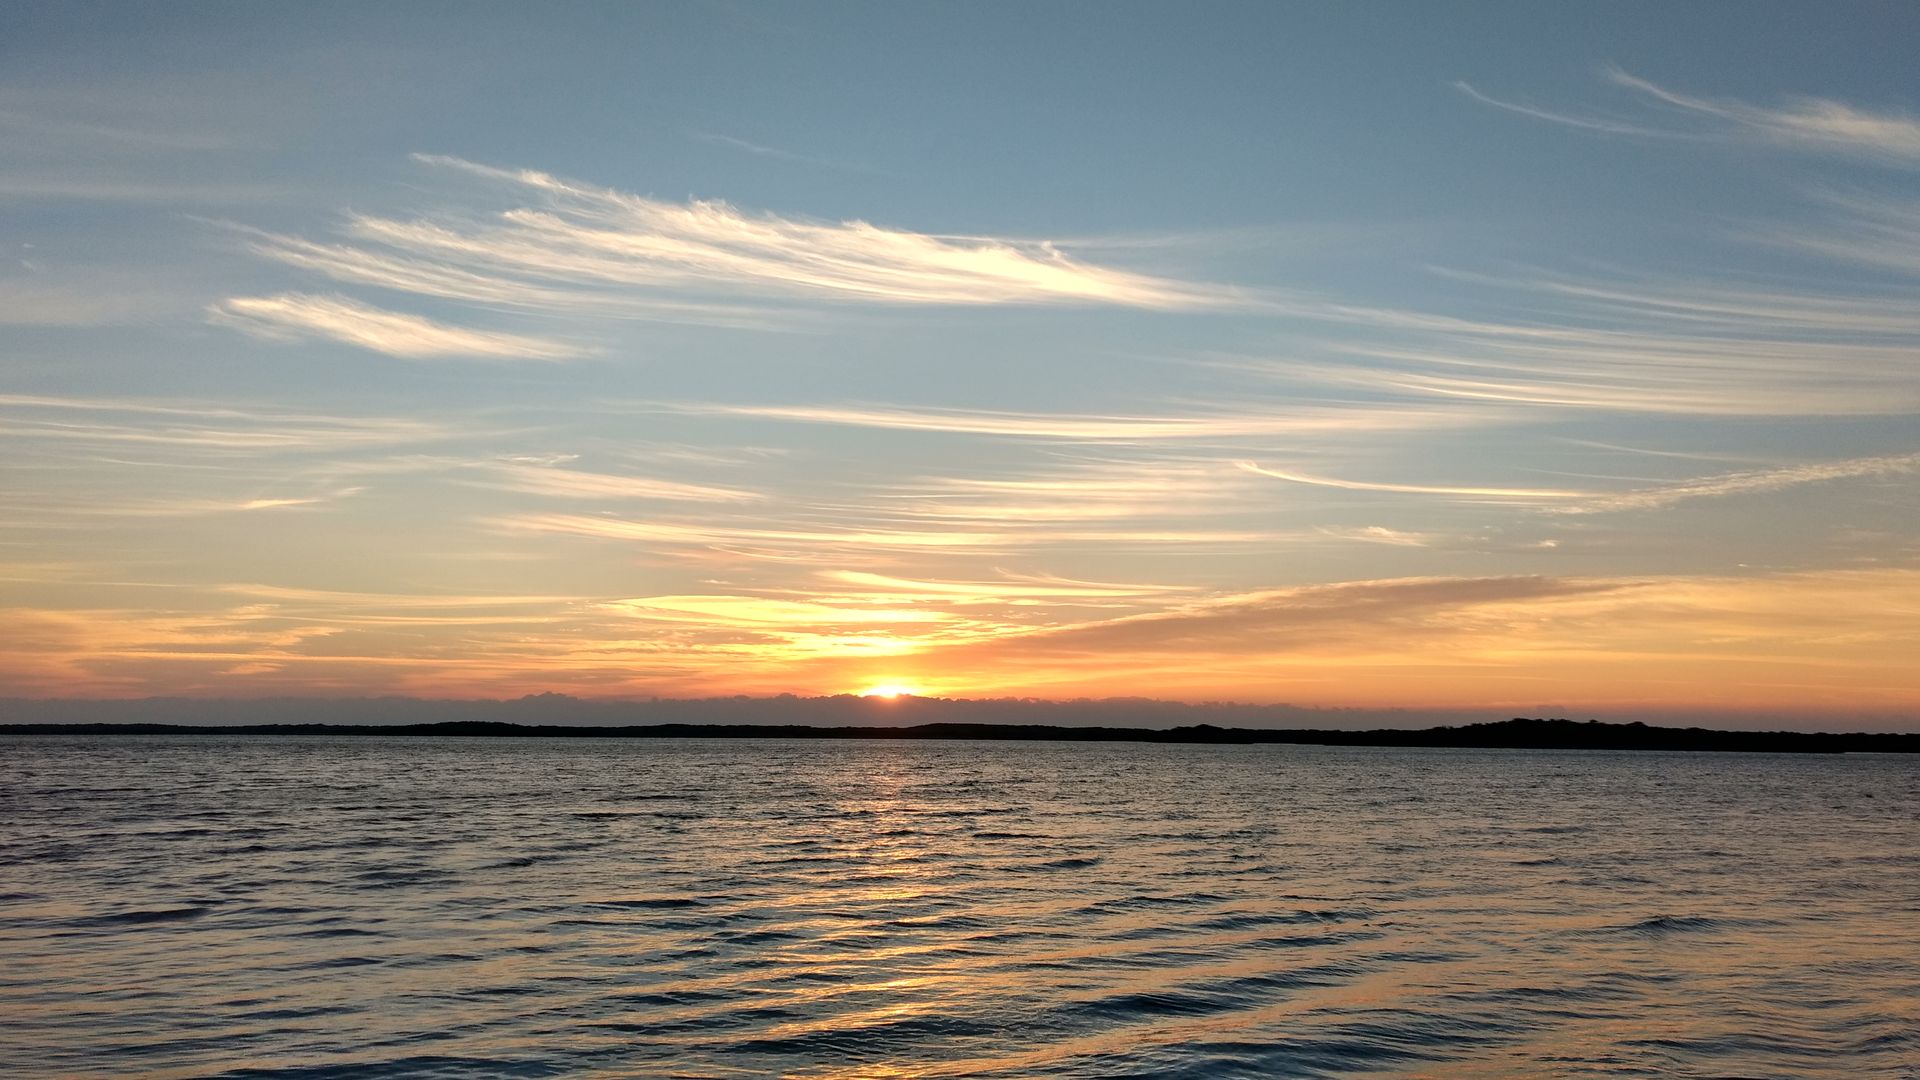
(891, 690)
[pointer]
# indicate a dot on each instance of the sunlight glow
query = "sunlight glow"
(891, 690)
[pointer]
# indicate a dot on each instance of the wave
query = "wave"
(484, 910)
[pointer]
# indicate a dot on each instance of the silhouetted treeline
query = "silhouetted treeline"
(1519, 733)
(551, 710)
(838, 710)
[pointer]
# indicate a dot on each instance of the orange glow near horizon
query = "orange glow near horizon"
(1833, 644)
(892, 690)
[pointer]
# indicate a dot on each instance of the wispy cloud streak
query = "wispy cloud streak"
(1751, 482)
(411, 337)
(1602, 345)
(936, 536)
(1577, 501)
(1811, 124)
(1292, 419)
(1495, 493)
(1604, 125)
(206, 428)
(1883, 234)
(588, 232)
(578, 484)
(581, 248)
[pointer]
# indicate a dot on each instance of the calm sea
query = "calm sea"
(202, 906)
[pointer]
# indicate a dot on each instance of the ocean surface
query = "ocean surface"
(316, 907)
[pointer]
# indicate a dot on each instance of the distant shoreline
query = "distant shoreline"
(1516, 734)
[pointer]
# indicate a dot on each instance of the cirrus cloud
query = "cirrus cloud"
(410, 337)
(1812, 124)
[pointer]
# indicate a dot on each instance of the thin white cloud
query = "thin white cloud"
(176, 507)
(775, 153)
(209, 428)
(1811, 124)
(1880, 233)
(411, 337)
(540, 479)
(281, 504)
(70, 130)
(1752, 482)
(1588, 123)
(1694, 306)
(1572, 501)
(1140, 487)
(1294, 420)
(1498, 493)
(407, 273)
(322, 600)
(1667, 347)
(1595, 444)
(726, 610)
(1619, 372)
(1380, 534)
(746, 146)
(1276, 621)
(1010, 587)
(581, 245)
(1008, 535)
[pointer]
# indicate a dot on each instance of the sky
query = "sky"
(1433, 357)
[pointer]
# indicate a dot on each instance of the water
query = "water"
(409, 907)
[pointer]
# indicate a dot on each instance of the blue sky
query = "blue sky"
(1437, 356)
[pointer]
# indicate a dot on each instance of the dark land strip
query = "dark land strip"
(1517, 734)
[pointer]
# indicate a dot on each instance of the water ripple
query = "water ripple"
(319, 908)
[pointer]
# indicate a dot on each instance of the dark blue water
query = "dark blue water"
(406, 907)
